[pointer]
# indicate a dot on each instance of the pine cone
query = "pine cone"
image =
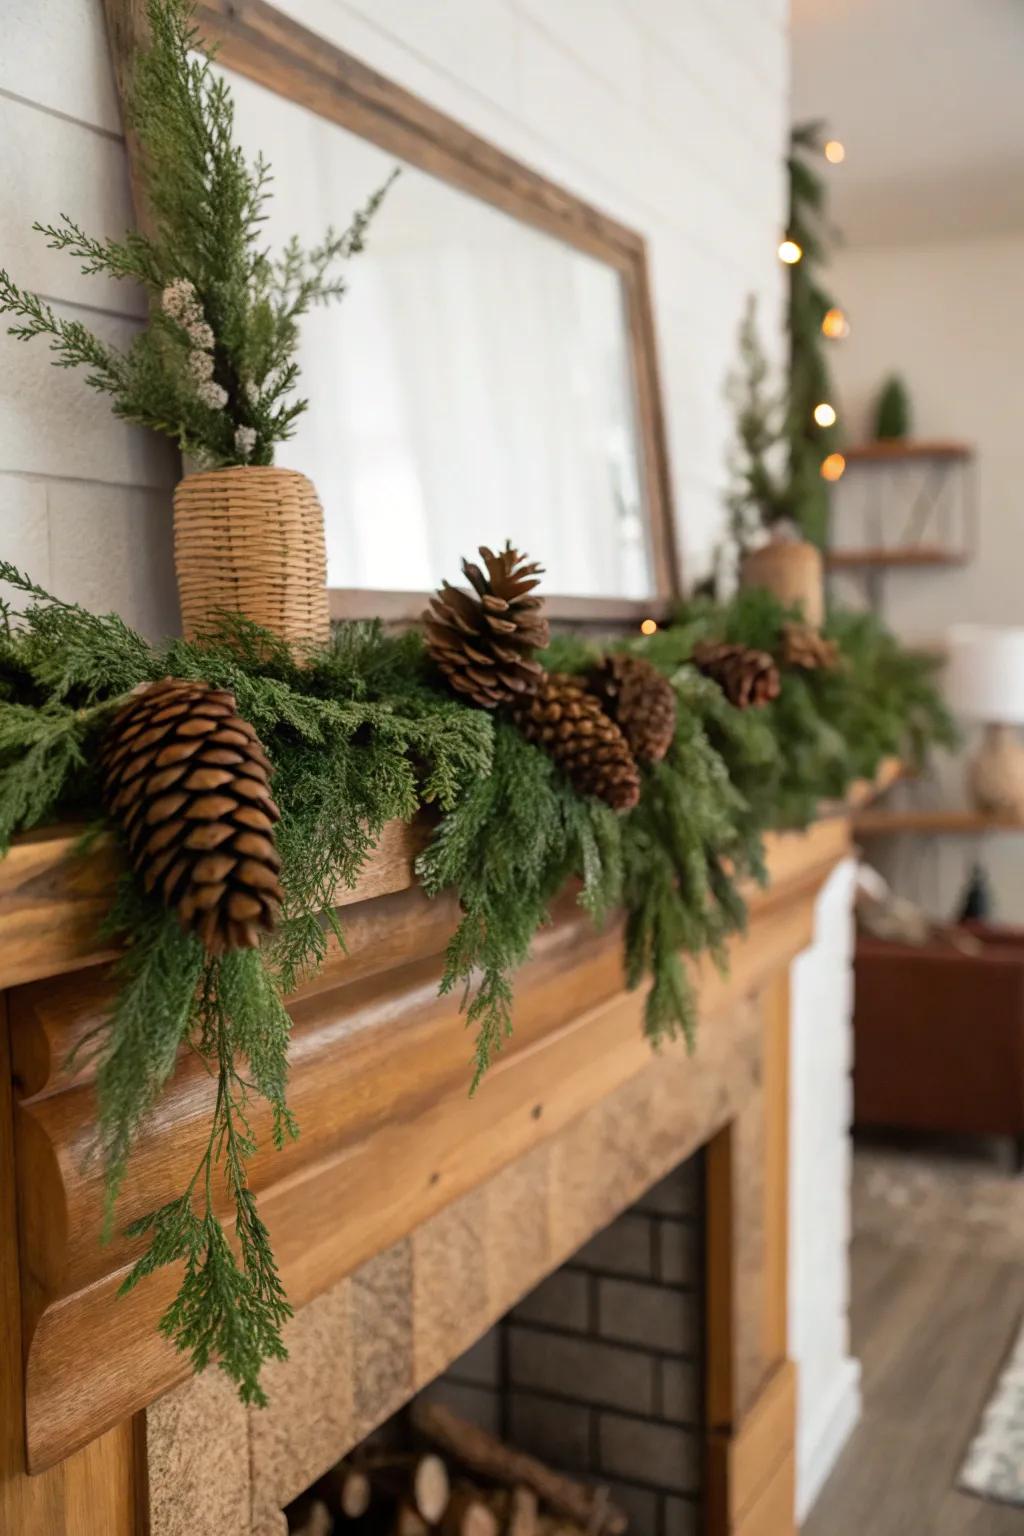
(484, 643)
(569, 723)
(633, 693)
(805, 647)
(189, 783)
(748, 678)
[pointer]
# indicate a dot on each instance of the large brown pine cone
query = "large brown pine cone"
(633, 693)
(189, 782)
(805, 647)
(484, 641)
(748, 678)
(569, 723)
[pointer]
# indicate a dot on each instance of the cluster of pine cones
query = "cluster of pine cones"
(598, 728)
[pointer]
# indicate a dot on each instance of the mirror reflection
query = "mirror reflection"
(474, 385)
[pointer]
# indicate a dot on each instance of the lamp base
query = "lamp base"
(995, 775)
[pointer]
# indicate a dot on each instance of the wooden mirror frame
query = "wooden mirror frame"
(256, 40)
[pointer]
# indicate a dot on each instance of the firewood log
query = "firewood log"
(482, 1454)
(468, 1515)
(521, 1519)
(348, 1487)
(313, 1517)
(409, 1522)
(417, 1479)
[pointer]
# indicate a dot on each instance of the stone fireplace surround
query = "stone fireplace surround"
(599, 1370)
(408, 1219)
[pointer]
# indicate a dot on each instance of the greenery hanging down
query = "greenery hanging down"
(214, 369)
(364, 732)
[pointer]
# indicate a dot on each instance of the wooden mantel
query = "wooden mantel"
(390, 1143)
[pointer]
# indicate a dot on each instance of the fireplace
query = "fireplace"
(598, 1373)
(417, 1227)
(599, 1370)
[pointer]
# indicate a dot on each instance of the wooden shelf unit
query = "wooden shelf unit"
(903, 450)
(909, 557)
(913, 508)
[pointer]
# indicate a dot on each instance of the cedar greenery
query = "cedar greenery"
(214, 369)
(362, 732)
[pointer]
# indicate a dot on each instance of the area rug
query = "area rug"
(938, 1196)
(994, 1468)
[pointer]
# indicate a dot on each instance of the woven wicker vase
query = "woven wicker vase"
(793, 570)
(250, 540)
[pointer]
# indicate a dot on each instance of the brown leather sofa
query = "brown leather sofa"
(939, 1035)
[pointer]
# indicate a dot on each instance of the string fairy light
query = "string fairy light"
(835, 152)
(649, 627)
(790, 252)
(825, 414)
(835, 325)
(833, 466)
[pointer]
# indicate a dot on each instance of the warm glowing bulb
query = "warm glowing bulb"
(835, 325)
(649, 626)
(835, 152)
(790, 252)
(825, 414)
(832, 467)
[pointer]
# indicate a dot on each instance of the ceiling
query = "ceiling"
(928, 98)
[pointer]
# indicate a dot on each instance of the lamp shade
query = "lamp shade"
(985, 673)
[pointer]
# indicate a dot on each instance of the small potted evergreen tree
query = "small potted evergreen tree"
(214, 368)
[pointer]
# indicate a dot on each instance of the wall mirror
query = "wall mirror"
(490, 372)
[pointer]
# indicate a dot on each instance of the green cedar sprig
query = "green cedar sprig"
(214, 368)
(508, 847)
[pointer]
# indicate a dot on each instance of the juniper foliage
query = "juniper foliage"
(214, 369)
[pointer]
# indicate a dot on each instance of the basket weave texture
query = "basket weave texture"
(250, 540)
(793, 571)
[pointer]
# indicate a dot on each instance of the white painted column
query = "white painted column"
(820, 1169)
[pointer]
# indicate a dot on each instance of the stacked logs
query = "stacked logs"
(469, 1483)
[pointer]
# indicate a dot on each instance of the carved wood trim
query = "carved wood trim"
(258, 41)
(750, 1472)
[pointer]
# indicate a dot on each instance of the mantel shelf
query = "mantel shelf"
(53, 897)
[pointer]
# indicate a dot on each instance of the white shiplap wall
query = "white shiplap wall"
(828, 1386)
(670, 115)
(83, 498)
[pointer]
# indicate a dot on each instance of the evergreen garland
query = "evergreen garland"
(362, 732)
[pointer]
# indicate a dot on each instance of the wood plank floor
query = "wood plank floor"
(931, 1323)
